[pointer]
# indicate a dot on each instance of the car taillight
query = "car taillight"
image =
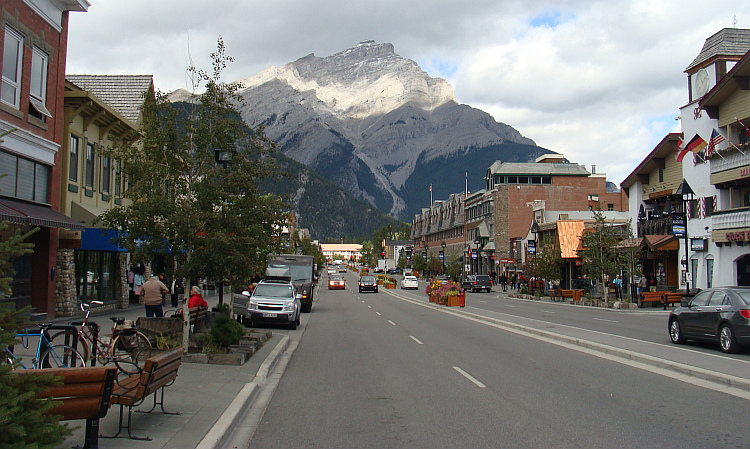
(745, 313)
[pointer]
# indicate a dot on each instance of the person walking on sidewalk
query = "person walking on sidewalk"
(176, 290)
(152, 295)
(618, 287)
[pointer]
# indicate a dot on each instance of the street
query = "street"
(381, 370)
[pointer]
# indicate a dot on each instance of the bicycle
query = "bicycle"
(127, 348)
(47, 355)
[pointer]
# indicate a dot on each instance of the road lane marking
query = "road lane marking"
(369, 307)
(547, 311)
(391, 322)
(415, 339)
(470, 377)
(377, 313)
(602, 319)
(508, 305)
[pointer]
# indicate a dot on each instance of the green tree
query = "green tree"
(601, 253)
(454, 267)
(548, 262)
(420, 263)
(367, 254)
(211, 217)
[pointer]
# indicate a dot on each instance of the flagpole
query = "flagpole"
(430, 195)
(466, 184)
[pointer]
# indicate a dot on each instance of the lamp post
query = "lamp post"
(687, 194)
(442, 256)
(477, 242)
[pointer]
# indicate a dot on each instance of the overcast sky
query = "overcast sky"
(599, 81)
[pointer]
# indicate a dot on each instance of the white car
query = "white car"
(410, 282)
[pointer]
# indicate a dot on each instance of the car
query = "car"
(332, 270)
(720, 315)
(443, 278)
(336, 282)
(394, 270)
(342, 268)
(408, 272)
(272, 301)
(368, 283)
(477, 282)
(409, 282)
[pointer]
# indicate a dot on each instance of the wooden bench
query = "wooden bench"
(574, 295)
(663, 298)
(197, 317)
(555, 293)
(85, 393)
(159, 372)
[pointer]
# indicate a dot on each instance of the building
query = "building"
(34, 41)
(442, 222)
(344, 251)
(517, 187)
(90, 266)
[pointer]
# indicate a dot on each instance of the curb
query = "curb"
(222, 428)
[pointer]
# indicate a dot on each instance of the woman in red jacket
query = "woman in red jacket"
(196, 299)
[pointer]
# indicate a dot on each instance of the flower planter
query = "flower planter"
(390, 285)
(380, 282)
(453, 301)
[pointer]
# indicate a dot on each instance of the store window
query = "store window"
(95, 275)
(12, 62)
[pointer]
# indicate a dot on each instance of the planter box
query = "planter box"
(380, 282)
(390, 285)
(453, 301)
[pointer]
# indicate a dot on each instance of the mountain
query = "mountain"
(376, 124)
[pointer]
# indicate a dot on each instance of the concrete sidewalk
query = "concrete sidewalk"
(209, 398)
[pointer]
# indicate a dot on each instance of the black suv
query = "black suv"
(368, 283)
(477, 282)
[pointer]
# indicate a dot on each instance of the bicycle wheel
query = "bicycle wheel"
(126, 351)
(65, 338)
(61, 356)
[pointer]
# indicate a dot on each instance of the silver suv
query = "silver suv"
(272, 301)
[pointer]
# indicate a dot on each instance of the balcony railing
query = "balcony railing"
(729, 161)
(731, 218)
(656, 226)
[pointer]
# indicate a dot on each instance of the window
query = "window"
(661, 175)
(105, 174)
(73, 162)
(709, 203)
(12, 61)
(38, 85)
(118, 177)
(26, 179)
(89, 174)
(610, 207)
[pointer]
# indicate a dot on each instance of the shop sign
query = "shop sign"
(678, 225)
(739, 236)
(698, 245)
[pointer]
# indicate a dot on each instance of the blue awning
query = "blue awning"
(97, 239)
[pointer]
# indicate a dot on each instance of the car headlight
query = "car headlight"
(290, 307)
(252, 305)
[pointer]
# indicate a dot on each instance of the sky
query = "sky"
(600, 81)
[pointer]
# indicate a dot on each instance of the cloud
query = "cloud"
(597, 80)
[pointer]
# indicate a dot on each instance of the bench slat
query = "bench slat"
(78, 408)
(89, 389)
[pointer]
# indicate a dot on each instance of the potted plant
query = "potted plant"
(389, 283)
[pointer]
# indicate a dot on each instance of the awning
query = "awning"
(489, 247)
(86, 213)
(97, 239)
(35, 215)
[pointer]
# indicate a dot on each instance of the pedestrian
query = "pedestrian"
(504, 281)
(152, 296)
(196, 299)
(643, 284)
(175, 291)
(617, 282)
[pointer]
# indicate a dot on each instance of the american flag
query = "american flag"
(715, 139)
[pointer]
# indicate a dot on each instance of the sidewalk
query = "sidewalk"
(202, 393)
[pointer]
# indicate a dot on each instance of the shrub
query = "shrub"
(226, 331)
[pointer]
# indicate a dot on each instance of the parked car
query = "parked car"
(394, 270)
(409, 282)
(332, 270)
(444, 278)
(336, 282)
(274, 301)
(720, 315)
(477, 282)
(368, 283)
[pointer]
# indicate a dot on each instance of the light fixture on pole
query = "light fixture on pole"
(477, 243)
(442, 256)
(687, 195)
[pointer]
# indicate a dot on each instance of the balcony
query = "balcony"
(730, 167)
(731, 219)
(655, 226)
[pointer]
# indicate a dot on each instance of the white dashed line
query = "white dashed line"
(415, 339)
(602, 319)
(470, 377)
(392, 322)
(377, 313)
(547, 311)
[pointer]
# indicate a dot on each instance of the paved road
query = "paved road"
(384, 370)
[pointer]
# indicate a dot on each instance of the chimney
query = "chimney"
(593, 169)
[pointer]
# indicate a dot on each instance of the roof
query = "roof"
(533, 168)
(125, 93)
(569, 234)
(665, 148)
(726, 86)
(726, 42)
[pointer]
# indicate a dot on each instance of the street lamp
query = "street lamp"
(442, 255)
(477, 242)
(687, 195)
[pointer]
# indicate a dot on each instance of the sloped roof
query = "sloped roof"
(124, 93)
(569, 234)
(726, 42)
(533, 168)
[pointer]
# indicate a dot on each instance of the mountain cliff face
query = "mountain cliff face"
(379, 126)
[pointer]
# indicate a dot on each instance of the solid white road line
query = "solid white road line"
(546, 311)
(470, 377)
(415, 339)
(391, 322)
(602, 319)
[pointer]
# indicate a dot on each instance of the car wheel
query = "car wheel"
(675, 332)
(293, 325)
(298, 320)
(727, 341)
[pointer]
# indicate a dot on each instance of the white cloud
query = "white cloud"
(597, 80)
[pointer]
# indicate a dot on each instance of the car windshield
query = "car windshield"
(337, 278)
(483, 278)
(274, 291)
(367, 279)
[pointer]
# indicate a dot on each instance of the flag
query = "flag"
(715, 139)
(681, 151)
(696, 144)
(430, 187)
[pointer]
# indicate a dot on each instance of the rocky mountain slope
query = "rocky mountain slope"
(379, 126)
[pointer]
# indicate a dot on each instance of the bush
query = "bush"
(226, 331)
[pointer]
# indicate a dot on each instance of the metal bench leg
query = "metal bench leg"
(160, 403)
(119, 427)
(91, 440)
